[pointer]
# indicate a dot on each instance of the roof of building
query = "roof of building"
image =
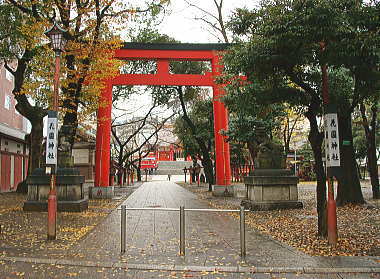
(12, 132)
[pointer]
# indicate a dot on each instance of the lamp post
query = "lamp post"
(55, 34)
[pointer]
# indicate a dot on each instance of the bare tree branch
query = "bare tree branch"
(201, 9)
(219, 25)
(155, 133)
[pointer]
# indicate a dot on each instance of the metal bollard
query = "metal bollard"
(182, 231)
(123, 228)
(242, 233)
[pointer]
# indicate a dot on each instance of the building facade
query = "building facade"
(13, 129)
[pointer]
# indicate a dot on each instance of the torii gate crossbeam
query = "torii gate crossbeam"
(163, 54)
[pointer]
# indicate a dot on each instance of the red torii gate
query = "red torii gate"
(163, 53)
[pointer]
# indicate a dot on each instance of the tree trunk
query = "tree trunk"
(35, 154)
(71, 102)
(138, 168)
(34, 114)
(138, 174)
(316, 139)
(370, 134)
(372, 166)
(70, 119)
(349, 190)
(208, 169)
(359, 173)
(286, 136)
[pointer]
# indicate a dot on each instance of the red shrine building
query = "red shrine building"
(13, 129)
(167, 149)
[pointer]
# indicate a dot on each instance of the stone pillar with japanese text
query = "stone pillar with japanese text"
(332, 143)
(51, 138)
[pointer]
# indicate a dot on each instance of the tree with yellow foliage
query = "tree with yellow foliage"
(93, 29)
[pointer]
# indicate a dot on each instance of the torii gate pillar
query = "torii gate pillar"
(163, 54)
(102, 188)
(222, 147)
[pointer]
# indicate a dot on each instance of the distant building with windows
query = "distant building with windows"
(13, 129)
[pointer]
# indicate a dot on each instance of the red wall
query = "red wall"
(5, 172)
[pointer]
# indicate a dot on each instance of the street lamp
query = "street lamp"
(55, 34)
(58, 42)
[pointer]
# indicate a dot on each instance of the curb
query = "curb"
(228, 269)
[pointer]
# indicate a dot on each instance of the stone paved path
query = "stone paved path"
(212, 239)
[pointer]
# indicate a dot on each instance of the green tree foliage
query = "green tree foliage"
(286, 43)
(201, 114)
(249, 108)
(10, 31)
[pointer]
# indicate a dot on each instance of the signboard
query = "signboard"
(332, 140)
(52, 138)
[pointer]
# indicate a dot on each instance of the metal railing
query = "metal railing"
(182, 211)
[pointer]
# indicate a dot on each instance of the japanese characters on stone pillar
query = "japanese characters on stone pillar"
(332, 140)
(51, 138)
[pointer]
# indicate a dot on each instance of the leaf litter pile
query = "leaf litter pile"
(358, 226)
(26, 232)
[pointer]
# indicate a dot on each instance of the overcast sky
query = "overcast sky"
(181, 25)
